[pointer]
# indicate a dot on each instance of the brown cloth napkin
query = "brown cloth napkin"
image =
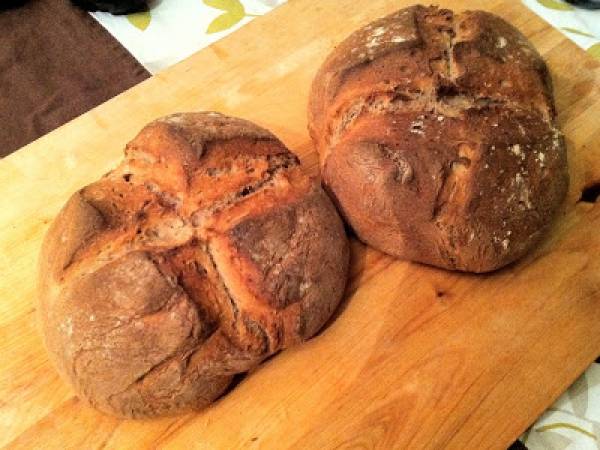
(56, 62)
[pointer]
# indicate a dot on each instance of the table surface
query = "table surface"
(416, 356)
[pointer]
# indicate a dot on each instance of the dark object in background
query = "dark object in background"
(113, 6)
(5, 4)
(517, 445)
(56, 62)
(588, 4)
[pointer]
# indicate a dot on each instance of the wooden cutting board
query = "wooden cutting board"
(416, 357)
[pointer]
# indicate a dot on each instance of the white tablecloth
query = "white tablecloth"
(174, 29)
(580, 25)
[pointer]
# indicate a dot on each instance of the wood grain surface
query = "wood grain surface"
(415, 358)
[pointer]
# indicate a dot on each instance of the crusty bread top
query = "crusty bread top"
(437, 138)
(206, 250)
(428, 56)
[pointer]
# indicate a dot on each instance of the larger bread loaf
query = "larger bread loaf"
(205, 251)
(437, 138)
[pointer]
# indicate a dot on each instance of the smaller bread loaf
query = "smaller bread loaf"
(437, 138)
(205, 251)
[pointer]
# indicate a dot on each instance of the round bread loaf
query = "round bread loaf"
(437, 138)
(205, 251)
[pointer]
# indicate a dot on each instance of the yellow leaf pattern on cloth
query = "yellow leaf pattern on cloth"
(555, 4)
(140, 20)
(579, 32)
(554, 426)
(225, 5)
(234, 12)
(223, 22)
(594, 50)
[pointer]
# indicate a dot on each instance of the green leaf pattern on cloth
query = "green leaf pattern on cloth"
(224, 22)
(579, 32)
(140, 20)
(225, 5)
(569, 426)
(555, 4)
(234, 12)
(580, 25)
(573, 421)
(594, 51)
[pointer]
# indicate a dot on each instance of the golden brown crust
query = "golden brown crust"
(207, 250)
(437, 138)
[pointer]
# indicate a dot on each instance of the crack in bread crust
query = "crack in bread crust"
(191, 224)
(445, 98)
(392, 102)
